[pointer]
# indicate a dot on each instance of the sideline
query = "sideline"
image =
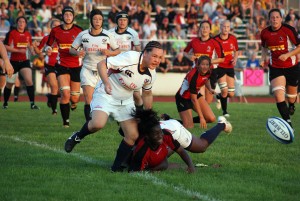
(144, 175)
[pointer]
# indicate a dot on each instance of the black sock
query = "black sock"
(87, 112)
(123, 153)
(139, 107)
(223, 104)
(196, 119)
(16, 92)
(30, 93)
(284, 111)
(211, 134)
(65, 113)
(6, 94)
(53, 101)
(84, 131)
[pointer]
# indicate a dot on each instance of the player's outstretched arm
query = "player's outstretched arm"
(6, 65)
(186, 158)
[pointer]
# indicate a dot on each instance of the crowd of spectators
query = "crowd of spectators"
(171, 23)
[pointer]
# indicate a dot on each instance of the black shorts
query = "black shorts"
(291, 74)
(73, 72)
(184, 104)
(213, 78)
(225, 71)
(49, 69)
(18, 65)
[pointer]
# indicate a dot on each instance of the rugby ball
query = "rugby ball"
(280, 130)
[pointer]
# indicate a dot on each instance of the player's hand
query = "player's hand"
(283, 57)
(8, 69)
(203, 123)
(108, 88)
(105, 52)
(233, 62)
(81, 54)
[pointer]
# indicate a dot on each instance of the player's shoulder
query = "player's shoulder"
(131, 30)
(75, 26)
(112, 30)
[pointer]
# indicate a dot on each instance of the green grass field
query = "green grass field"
(34, 165)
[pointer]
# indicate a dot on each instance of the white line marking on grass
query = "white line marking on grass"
(144, 175)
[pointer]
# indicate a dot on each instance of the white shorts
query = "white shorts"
(12, 79)
(179, 133)
(89, 77)
(119, 110)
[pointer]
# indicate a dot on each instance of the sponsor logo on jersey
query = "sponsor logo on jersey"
(276, 47)
(85, 40)
(128, 38)
(65, 46)
(129, 73)
(208, 49)
(104, 40)
(22, 44)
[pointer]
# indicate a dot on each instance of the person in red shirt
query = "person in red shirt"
(281, 41)
(67, 67)
(154, 145)
(205, 45)
(50, 60)
(18, 41)
(225, 70)
(189, 97)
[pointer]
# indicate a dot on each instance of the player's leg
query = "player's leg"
(7, 89)
(88, 95)
(75, 87)
(64, 87)
(207, 112)
(52, 80)
(17, 88)
(292, 79)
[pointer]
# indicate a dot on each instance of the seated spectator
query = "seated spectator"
(191, 16)
(33, 24)
(177, 44)
(139, 14)
(3, 11)
(58, 12)
(132, 5)
(253, 62)
(218, 13)
(193, 32)
(280, 7)
(149, 29)
(165, 64)
(171, 10)
(123, 6)
(146, 6)
(209, 7)
(45, 14)
(112, 16)
(36, 4)
(215, 27)
(251, 46)
(259, 12)
(181, 63)
(290, 14)
(251, 27)
(166, 25)
(4, 26)
(247, 8)
(137, 27)
(179, 32)
(236, 16)
(160, 15)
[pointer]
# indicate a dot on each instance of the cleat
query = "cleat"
(228, 126)
(34, 107)
(16, 98)
(225, 114)
(292, 109)
(54, 113)
(165, 117)
(5, 106)
(71, 142)
(73, 106)
(218, 104)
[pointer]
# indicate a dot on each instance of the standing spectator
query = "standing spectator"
(96, 44)
(33, 24)
(225, 70)
(45, 14)
(68, 67)
(18, 41)
(114, 96)
(284, 67)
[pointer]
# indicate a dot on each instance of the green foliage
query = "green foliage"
(34, 165)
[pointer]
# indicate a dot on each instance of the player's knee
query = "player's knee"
(278, 89)
(94, 125)
(231, 91)
(210, 119)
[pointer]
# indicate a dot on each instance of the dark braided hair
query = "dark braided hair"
(152, 44)
(203, 57)
(148, 126)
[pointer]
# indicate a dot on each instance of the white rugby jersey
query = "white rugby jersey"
(125, 77)
(126, 40)
(92, 44)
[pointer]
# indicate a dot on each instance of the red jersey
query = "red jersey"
(18, 40)
(64, 40)
(144, 158)
(280, 42)
(192, 83)
(49, 60)
(210, 48)
(230, 45)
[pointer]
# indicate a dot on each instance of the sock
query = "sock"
(284, 111)
(65, 113)
(139, 107)
(6, 94)
(196, 119)
(223, 104)
(87, 112)
(123, 153)
(16, 93)
(30, 93)
(53, 101)
(211, 134)
(84, 131)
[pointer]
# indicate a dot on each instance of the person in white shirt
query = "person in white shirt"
(93, 45)
(121, 75)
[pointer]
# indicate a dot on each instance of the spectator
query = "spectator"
(290, 14)
(259, 12)
(251, 27)
(218, 13)
(171, 10)
(136, 26)
(36, 4)
(181, 63)
(112, 16)
(132, 5)
(280, 7)
(165, 64)
(58, 12)
(191, 16)
(4, 26)
(12, 14)
(193, 32)
(33, 24)
(215, 27)
(251, 46)
(209, 7)
(236, 16)
(149, 29)
(179, 32)
(123, 6)
(147, 8)
(159, 17)
(253, 62)
(139, 14)
(3, 11)
(166, 25)
(227, 9)
(247, 8)
(45, 14)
